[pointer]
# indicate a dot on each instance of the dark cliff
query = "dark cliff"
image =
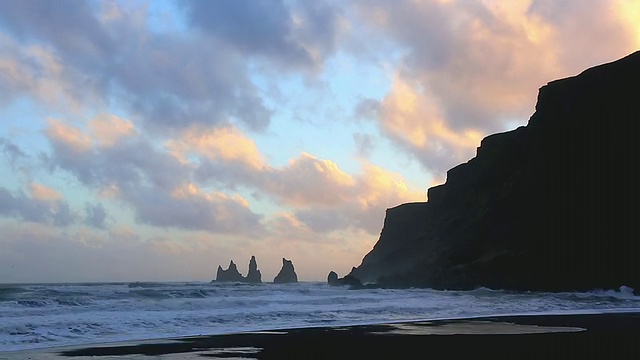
(548, 206)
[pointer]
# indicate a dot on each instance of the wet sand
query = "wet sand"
(611, 336)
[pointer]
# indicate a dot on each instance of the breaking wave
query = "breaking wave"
(48, 315)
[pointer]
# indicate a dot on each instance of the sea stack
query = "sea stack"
(333, 280)
(287, 274)
(254, 275)
(230, 275)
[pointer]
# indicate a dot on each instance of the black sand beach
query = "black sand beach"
(611, 336)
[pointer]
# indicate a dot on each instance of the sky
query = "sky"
(155, 140)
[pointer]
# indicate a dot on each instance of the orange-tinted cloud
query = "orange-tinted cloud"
(227, 155)
(223, 143)
(107, 129)
(43, 193)
(470, 68)
(307, 181)
(146, 177)
(69, 137)
(373, 191)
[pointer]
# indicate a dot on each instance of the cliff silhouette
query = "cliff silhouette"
(549, 206)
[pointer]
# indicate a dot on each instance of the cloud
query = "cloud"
(255, 26)
(62, 214)
(308, 180)
(164, 185)
(191, 208)
(128, 162)
(358, 203)
(225, 144)
(149, 179)
(11, 151)
(324, 196)
(300, 34)
(34, 70)
(228, 156)
(75, 142)
(33, 209)
(199, 88)
(170, 80)
(108, 129)
(104, 58)
(575, 29)
(364, 144)
(96, 215)
(467, 69)
(43, 193)
(415, 122)
(49, 21)
(190, 83)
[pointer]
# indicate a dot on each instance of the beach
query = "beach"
(610, 335)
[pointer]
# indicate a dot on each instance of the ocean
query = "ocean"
(36, 316)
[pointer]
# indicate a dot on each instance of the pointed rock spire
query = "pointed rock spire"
(254, 275)
(287, 274)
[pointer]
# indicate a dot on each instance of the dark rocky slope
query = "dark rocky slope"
(551, 206)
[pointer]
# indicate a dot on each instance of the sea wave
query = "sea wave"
(9, 292)
(64, 314)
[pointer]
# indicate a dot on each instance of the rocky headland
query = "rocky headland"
(548, 206)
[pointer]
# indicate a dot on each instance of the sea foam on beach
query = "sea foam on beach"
(47, 315)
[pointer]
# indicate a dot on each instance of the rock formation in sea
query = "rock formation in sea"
(230, 275)
(287, 274)
(332, 278)
(233, 275)
(254, 275)
(350, 280)
(548, 206)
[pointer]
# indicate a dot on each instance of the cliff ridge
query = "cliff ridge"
(547, 206)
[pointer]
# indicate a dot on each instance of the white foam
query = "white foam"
(57, 315)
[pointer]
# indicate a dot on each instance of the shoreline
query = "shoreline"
(555, 336)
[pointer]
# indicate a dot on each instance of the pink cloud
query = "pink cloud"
(468, 69)
(43, 193)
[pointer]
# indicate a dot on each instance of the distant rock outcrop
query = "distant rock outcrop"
(230, 275)
(350, 280)
(332, 278)
(287, 274)
(233, 275)
(254, 275)
(546, 206)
